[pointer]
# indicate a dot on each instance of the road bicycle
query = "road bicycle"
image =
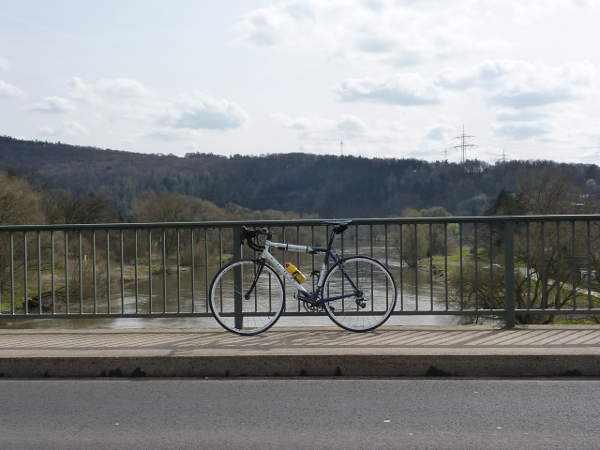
(247, 296)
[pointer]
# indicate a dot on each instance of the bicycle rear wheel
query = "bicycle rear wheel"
(241, 315)
(378, 300)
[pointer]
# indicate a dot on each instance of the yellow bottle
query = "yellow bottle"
(299, 276)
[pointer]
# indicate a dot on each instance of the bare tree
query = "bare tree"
(549, 254)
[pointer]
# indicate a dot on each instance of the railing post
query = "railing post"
(509, 264)
(237, 277)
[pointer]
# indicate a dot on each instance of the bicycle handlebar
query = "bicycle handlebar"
(250, 236)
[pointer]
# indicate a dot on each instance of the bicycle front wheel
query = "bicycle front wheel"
(240, 310)
(367, 310)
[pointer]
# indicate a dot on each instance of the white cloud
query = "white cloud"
(167, 134)
(558, 124)
(122, 88)
(125, 99)
(394, 32)
(324, 129)
(54, 105)
(66, 128)
(527, 11)
(504, 82)
(196, 112)
(522, 130)
(117, 89)
(402, 89)
(440, 132)
(317, 134)
(9, 91)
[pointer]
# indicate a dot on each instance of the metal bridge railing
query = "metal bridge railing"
(518, 269)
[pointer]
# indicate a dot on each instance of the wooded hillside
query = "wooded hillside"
(328, 186)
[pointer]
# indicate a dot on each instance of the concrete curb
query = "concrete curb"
(305, 365)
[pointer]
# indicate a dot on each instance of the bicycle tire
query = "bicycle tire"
(378, 300)
(260, 311)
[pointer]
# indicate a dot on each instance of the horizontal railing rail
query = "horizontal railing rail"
(513, 269)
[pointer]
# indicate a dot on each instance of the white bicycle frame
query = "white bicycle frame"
(268, 257)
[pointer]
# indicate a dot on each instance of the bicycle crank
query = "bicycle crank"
(313, 307)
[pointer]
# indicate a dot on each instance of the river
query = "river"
(413, 286)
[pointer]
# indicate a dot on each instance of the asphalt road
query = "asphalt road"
(299, 413)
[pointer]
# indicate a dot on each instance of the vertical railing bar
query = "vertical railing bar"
(52, 272)
(150, 293)
(1, 282)
(431, 267)
(206, 285)
(80, 248)
(460, 264)
(528, 255)
(220, 236)
(387, 261)
(177, 231)
(193, 269)
(255, 294)
(297, 265)
(573, 265)
(108, 271)
(492, 229)
(283, 254)
(416, 255)
(475, 238)
(94, 272)
(25, 267)
(557, 299)
(312, 257)
(544, 274)
(39, 256)
(371, 241)
(67, 296)
(370, 249)
(298, 243)
(237, 255)
(446, 267)
(136, 271)
(122, 258)
(342, 246)
(589, 263)
(12, 272)
(371, 246)
(164, 269)
(510, 273)
(401, 268)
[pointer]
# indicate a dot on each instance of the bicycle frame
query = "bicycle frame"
(305, 295)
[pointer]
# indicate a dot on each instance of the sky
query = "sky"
(371, 78)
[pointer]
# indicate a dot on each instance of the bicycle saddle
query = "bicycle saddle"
(336, 222)
(339, 226)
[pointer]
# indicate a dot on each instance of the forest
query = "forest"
(300, 184)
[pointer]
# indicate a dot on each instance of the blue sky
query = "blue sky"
(389, 78)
